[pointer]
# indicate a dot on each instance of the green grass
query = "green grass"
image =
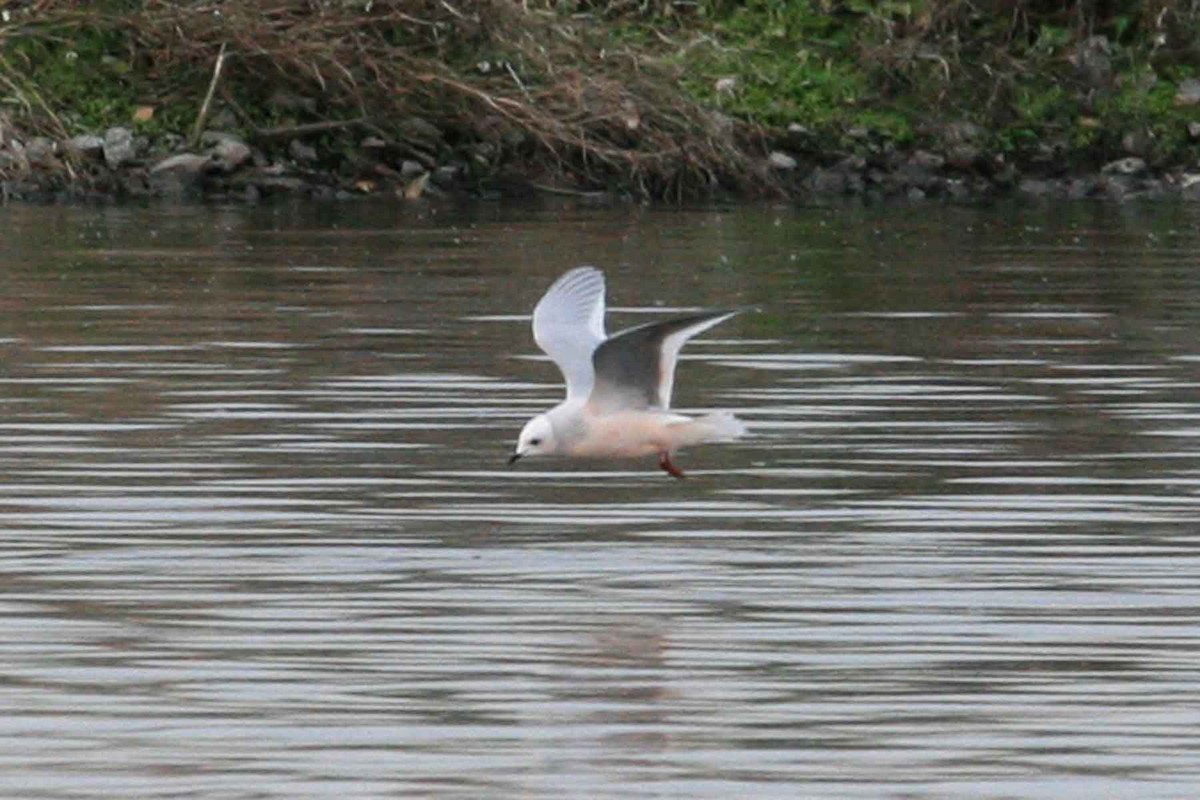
(791, 63)
(900, 69)
(834, 66)
(90, 79)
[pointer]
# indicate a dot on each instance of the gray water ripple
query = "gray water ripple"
(259, 540)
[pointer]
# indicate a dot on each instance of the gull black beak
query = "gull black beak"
(513, 458)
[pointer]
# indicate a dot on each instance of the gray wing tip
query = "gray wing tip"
(723, 312)
(587, 271)
(735, 310)
(582, 282)
(585, 281)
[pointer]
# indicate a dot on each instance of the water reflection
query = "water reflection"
(259, 537)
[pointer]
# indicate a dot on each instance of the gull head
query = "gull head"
(536, 439)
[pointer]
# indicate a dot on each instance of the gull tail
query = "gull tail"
(724, 425)
(719, 426)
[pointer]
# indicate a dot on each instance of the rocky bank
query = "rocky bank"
(117, 164)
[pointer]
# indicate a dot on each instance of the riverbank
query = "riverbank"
(655, 100)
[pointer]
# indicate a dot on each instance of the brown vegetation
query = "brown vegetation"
(530, 84)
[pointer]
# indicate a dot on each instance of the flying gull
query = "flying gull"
(618, 388)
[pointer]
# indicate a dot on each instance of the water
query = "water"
(259, 540)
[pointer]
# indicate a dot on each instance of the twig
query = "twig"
(454, 11)
(542, 187)
(517, 80)
(14, 88)
(312, 127)
(198, 127)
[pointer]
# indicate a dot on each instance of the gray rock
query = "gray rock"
(424, 157)
(1080, 188)
(1118, 187)
(211, 138)
(852, 164)
(485, 152)
(799, 138)
(1188, 93)
(1049, 152)
(136, 183)
(16, 155)
(1138, 143)
(301, 152)
(1004, 174)
(86, 144)
(958, 189)
(373, 143)
(963, 132)
(781, 161)
(913, 176)
(919, 170)
(1124, 166)
(281, 183)
(40, 150)
(1152, 188)
(855, 184)
(447, 176)
(186, 163)
(119, 148)
(179, 176)
(1189, 186)
(926, 160)
(824, 181)
(410, 169)
(322, 192)
(964, 156)
(1036, 187)
(230, 152)
(1194, 131)
(420, 132)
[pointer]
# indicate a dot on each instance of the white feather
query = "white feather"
(568, 324)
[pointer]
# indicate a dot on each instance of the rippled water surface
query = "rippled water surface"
(259, 540)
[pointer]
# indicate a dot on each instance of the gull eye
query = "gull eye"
(535, 442)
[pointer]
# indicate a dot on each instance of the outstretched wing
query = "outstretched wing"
(568, 324)
(635, 369)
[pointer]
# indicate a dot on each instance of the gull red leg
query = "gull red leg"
(664, 461)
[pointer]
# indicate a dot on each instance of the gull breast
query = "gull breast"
(632, 433)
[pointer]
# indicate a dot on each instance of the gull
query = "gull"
(618, 388)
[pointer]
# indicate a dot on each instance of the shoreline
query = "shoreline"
(121, 100)
(120, 166)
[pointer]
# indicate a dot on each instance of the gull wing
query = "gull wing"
(635, 369)
(568, 324)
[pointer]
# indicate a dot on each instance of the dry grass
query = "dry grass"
(545, 90)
